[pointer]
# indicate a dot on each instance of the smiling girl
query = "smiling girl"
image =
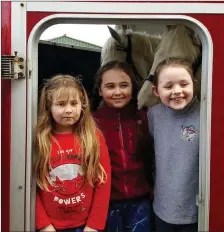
(174, 126)
(126, 133)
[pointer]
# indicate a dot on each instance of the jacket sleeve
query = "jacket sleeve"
(150, 122)
(148, 150)
(42, 220)
(100, 203)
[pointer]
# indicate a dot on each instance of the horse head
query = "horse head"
(179, 41)
(136, 48)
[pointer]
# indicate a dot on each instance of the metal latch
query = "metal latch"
(12, 67)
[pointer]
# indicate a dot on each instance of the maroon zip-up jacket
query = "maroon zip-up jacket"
(123, 129)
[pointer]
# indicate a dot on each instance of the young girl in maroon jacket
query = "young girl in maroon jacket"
(126, 133)
(72, 166)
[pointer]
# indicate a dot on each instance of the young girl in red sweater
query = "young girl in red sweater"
(72, 166)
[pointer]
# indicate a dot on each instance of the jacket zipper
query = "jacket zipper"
(120, 131)
(122, 153)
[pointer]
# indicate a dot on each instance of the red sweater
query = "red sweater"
(72, 202)
(123, 129)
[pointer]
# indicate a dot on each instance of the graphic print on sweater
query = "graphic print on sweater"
(188, 133)
(67, 180)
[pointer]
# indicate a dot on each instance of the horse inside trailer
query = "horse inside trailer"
(145, 51)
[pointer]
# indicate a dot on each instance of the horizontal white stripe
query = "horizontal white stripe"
(128, 7)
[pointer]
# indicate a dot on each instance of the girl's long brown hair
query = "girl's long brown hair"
(85, 129)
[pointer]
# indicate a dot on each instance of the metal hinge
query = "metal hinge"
(12, 67)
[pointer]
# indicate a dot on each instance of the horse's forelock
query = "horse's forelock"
(145, 44)
(178, 42)
(143, 49)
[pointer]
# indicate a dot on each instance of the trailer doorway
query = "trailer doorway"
(54, 59)
(204, 190)
(68, 54)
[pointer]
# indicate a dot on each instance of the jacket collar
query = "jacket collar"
(111, 112)
(181, 113)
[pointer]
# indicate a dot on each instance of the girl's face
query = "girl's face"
(116, 88)
(66, 110)
(175, 87)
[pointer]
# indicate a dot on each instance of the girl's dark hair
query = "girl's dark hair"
(115, 64)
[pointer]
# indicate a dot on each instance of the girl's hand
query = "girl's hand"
(88, 229)
(48, 228)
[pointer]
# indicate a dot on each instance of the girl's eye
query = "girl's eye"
(168, 87)
(61, 104)
(110, 86)
(74, 103)
(184, 84)
(124, 86)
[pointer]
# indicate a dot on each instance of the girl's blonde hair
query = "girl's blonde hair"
(85, 129)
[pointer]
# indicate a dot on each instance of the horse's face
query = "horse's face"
(183, 39)
(115, 47)
(136, 48)
(179, 41)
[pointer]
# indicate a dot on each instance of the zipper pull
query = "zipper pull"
(119, 121)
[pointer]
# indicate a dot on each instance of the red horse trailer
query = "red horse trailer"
(22, 25)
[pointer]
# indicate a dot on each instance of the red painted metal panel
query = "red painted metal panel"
(33, 18)
(6, 117)
(216, 222)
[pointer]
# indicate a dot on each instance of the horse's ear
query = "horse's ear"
(121, 29)
(170, 27)
(115, 35)
(125, 27)
(194, 36)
